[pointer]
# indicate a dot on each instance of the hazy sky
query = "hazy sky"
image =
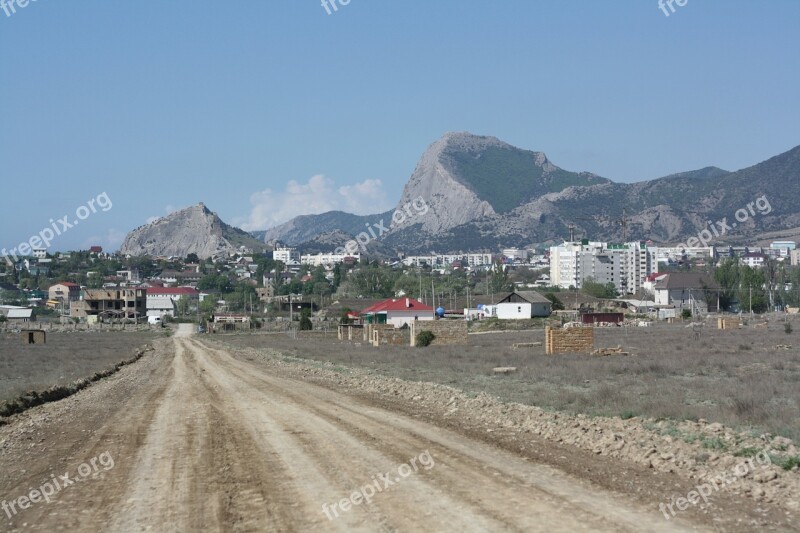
(268, 109)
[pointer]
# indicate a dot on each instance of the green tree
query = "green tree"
(498, 281)
(219, 282)
(558, 305)
(337, 276)
(305, 320)
(599, 290)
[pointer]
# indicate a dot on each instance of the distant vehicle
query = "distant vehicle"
(201, 329)
(155, 321)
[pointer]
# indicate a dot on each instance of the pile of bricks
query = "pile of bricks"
(571, 340)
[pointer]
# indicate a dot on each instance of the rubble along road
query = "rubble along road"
(201, 440)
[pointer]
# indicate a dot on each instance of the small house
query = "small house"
(521, 305)
(397, 311)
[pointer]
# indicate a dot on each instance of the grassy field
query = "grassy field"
(736, 377)
(65, 358)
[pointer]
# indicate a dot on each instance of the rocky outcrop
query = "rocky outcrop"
(192, 230)
(451, 202)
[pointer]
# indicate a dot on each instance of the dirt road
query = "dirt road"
(201, 440)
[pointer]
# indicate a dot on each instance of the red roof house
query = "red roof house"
(397, 311)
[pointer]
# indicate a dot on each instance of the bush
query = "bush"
(686, 314)
(305, 320)
(425, 338)
(787, 328)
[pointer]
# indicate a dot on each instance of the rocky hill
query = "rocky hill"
(192, 230)
(483, 193)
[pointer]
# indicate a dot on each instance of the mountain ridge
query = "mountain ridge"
(464, 215)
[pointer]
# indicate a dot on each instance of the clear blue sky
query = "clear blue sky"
(267, 109)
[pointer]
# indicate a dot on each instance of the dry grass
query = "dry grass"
(65, 359)
(735, 377)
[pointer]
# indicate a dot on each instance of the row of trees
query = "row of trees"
(774, 285)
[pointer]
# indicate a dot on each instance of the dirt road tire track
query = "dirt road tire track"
(204, 441)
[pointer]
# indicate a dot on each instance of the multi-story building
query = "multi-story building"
(782, 250)
(674, 254)
(795, 257)
(625, 265)
(515, 254)
(111, 303)
(64, 292)
(441, 260)
(163, 301)
(753, 259)
(286, 255)
(327, 259)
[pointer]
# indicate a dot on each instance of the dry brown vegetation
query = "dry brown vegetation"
(65, 359)
(735, 377)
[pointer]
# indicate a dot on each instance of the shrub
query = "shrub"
(305, 321)
(425, 338)
(787, 328)
(686, 314)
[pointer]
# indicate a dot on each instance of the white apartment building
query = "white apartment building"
(286, 255)
(327, 259)
(515, 254)
(782, 250)
(795, 257)
(472, 260)
(667, 254)
(625, 265)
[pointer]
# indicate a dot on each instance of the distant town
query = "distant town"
(659, 282)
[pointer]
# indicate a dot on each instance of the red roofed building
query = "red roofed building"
(397, 311)
(64, 291)
(163, 301)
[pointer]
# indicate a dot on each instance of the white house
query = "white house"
(753, 259)
(686, 290)
(523, 305)
(398, 312)
(163, 301)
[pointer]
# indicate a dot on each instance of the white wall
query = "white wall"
(514, 311)
(398, 318)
